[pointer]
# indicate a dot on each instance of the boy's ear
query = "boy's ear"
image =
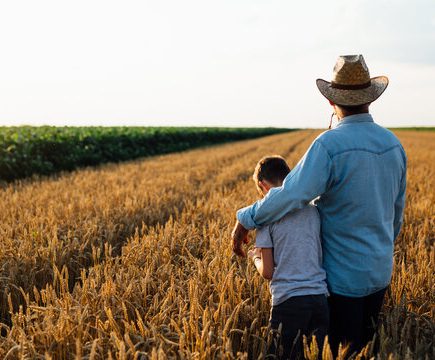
(260, 187)
(264, 186)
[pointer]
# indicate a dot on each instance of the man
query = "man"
(358, 173)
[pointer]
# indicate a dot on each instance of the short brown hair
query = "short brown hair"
(273, 169)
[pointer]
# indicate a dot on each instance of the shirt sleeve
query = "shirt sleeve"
(263, 239)
(399, 204)
(310, 178)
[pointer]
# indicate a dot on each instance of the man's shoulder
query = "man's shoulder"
(396, 141)
(328, 141)
(343, 138)
(329, 137)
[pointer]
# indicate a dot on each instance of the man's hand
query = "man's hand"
(239, 236)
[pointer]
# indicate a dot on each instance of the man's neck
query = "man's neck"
(342, 113)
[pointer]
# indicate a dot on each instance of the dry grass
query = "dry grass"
(134, 260)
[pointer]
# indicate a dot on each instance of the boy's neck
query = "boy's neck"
(267, 185)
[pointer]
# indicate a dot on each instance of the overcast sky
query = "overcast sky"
(208, 63)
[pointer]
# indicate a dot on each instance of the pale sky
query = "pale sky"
(208, 63)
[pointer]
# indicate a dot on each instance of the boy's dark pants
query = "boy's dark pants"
(353, 320)
(299, 315)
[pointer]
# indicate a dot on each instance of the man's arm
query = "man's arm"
(310, 178)
(239, 236)
(399, 205)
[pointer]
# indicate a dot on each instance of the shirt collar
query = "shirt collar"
(366, 117)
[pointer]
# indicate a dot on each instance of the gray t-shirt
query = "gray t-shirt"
(297, 254)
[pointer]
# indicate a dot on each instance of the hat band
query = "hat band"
(350, 87)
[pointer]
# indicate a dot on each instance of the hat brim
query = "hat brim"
(353, 97)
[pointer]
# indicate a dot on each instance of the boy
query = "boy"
(288, 253)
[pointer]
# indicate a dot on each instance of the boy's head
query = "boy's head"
(270, 172)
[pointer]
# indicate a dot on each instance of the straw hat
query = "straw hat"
(351, 84)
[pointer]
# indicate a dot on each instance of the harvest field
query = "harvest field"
(134, 260)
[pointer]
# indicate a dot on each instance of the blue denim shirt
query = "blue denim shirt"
(357, 172)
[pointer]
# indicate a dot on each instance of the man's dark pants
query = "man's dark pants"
(353, 320)
(299, 315)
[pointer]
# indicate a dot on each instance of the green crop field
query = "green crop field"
(25, 151)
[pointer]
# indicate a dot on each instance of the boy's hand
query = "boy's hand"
(255, 252)
(239, 236)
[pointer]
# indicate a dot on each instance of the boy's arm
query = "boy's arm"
(309, 179)
(263, 261)
(262, 254)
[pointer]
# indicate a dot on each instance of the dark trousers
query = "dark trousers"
(353, 321)
(299, 315)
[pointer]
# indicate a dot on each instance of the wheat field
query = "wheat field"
(134, 260)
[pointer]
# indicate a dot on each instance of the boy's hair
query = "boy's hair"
(273, 169)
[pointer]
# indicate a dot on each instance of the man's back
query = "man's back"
(359, 218)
